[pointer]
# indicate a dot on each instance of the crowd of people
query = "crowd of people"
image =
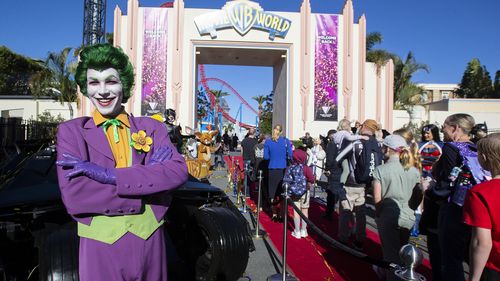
(445, 185)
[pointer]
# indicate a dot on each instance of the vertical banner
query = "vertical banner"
(154, 61)
(325, 68)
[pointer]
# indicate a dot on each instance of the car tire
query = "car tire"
(58, 254)
(219, 248)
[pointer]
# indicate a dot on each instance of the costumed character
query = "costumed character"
(200, 167)
(174, 131)
(192, 149)
(115, 172)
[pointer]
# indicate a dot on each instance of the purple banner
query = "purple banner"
(325, 70)
(154, 61)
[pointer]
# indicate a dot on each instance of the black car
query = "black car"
(207, 238)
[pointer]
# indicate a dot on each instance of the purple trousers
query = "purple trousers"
(129, 258)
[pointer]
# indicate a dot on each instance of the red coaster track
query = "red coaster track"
(203, 82)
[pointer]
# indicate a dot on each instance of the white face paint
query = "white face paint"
(105, 90)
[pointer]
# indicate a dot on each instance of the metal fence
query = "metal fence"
(15, 131)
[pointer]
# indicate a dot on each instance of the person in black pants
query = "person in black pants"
(247, 147)
(334, 172)
(454, 235)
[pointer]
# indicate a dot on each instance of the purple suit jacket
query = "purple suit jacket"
(135, 185)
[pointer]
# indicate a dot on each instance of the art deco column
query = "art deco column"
(348, 17)
(177, 53)
(361, 67)
(305, 58)
(131, 50)
(389, 94)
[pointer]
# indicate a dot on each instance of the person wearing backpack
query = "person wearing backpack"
(393, 183)
(300, 179)
(454, 175)
(482, 213)
(362, 156)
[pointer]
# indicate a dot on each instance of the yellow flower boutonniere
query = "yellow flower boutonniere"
(141, 142)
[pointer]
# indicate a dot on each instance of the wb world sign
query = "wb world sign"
(242, 15)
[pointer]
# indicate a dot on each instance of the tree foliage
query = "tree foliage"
(46, 117)
(404, 71)
(202, 105)
(496, 85)
(56, 79)
(266, 118)
(15, 72)
(476, 82)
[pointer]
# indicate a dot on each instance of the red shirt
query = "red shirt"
(482, 209)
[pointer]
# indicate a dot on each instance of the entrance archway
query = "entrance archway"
(245, 55)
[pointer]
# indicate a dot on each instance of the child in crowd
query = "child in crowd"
(482, 213)
(299, 158)
(393, 183)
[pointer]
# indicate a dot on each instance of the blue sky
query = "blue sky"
(444, 34)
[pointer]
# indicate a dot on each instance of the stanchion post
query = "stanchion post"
(283, 276)
(411, 258)
(243, 208)
(259, 233)
(314, 186)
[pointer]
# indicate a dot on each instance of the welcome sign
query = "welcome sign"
(242, 15)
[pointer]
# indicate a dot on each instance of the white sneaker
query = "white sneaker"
(303, 233)
(296, 234)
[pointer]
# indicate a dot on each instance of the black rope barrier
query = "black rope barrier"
(339, 245)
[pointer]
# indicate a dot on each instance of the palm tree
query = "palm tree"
(218, 94)
(372, 39)
(228, 127)
(56, 79)
(407, 97)
(260, 99)
(404, 71)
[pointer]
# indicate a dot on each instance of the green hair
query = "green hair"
(101, 57)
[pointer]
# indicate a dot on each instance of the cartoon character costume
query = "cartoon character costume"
(115, 172)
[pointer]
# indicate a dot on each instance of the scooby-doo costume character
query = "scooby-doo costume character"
(200, 168)
(115, 172)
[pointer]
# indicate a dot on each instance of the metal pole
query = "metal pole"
(243, 198)
(284, 276)
(314, 186)
(259, 233)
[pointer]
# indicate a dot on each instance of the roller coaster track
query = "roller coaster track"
(204, 82)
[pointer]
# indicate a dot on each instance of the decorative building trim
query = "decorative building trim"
(133, 13)
(361, 67)
(305, 60)
(378, 95)
(177, 53)
(347, 13)
(117, 26)
(389, 94)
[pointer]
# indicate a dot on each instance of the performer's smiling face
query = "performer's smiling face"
(105, 90)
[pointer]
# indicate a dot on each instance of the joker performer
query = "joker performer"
(115, 173)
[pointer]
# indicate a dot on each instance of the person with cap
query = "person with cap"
(393, 184)
(362, 156)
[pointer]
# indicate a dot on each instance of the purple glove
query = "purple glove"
(88, 169)
(161, 154)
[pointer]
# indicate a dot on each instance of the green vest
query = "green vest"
(109, 229)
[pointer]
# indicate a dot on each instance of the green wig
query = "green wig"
(101, 57)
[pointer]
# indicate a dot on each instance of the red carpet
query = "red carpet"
(313, 259)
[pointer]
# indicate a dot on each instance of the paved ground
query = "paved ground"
(266, 260)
